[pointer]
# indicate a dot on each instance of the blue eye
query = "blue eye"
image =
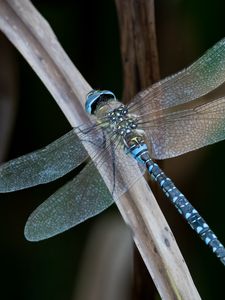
(94, 97)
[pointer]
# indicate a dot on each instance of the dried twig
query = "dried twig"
(33, 37)
(8, 93)
(138, 45)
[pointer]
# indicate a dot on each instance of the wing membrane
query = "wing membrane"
(185, 130)
(83, 197)
(87, 194)
(204, 75)
(44, 165)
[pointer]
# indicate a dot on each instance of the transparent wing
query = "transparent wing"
(119, 170)
(87, 194)
(83, 197)
(204, 75)
(178, 132)
(44, 165)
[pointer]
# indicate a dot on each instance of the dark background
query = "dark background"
(88, 31)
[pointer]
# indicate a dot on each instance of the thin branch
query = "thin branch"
(138, 45)
(8, 93)
(33, 37)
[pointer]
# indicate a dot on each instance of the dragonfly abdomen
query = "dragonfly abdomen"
(184, 207)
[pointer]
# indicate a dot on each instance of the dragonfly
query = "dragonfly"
(179, 114)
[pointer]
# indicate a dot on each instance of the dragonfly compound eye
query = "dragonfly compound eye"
(95, 97)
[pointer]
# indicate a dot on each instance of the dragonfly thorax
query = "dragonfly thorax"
(120, 121)
(116, 120)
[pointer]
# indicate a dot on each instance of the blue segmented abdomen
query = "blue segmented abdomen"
(191, 215)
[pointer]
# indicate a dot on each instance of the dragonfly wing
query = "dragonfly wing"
(204, 75)
(81, 198)
(119, 170)
(185, 130)
(87, 194)
(44, 165)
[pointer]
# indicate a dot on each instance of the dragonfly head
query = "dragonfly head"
(95, 97)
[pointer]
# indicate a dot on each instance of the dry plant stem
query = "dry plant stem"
(138, 45)
(33, 37)
(8, 93)
(139, 55)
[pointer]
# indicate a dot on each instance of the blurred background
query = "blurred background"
(94, 260)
